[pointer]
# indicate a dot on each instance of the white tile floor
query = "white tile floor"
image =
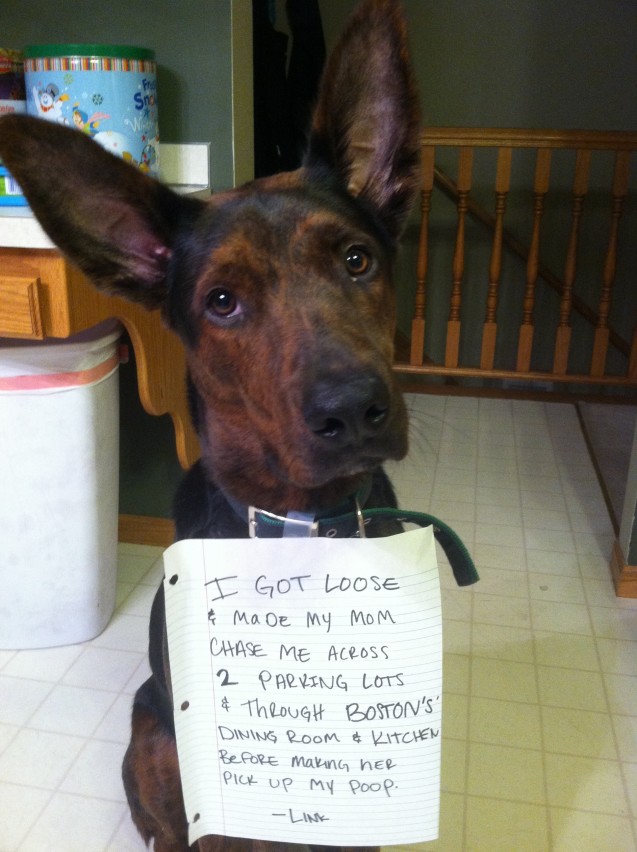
(540, 706)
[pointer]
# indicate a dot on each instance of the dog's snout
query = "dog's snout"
(347, 410)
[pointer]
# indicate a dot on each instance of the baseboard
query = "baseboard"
(140, 529)
(624, 576)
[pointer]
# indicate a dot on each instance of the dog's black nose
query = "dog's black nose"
(347, 410)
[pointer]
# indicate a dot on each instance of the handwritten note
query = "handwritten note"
(307, 682)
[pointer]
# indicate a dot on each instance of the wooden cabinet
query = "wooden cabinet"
(42, 295)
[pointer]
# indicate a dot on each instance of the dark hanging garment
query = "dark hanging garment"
(271, 103)
(283, 97)
(306, 65)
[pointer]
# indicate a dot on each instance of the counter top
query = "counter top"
(185, 168)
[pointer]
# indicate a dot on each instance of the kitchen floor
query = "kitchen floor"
(540, 664)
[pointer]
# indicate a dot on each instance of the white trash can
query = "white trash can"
(59, 482)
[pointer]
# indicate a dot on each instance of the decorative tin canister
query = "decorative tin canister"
(108, 92)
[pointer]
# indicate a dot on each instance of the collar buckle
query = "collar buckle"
(295, 524)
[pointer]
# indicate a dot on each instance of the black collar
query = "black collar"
(342, 521)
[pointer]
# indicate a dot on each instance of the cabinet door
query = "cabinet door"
(20, 309)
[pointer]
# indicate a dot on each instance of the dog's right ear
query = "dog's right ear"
(117, 224)
(366, 126)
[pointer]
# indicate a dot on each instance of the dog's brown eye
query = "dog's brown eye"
(222, 302)
(357, 260)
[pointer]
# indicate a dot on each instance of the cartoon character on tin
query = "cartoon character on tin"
(87, 125)
(149, 157)
(48, 102)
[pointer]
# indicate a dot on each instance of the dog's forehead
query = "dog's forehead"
(277, 213)
(273, 230)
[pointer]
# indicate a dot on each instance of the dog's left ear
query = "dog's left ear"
(118, 225)
(366, 129)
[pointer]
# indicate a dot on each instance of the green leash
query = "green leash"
(462, 565)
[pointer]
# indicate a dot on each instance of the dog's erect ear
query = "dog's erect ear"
(365, 127)
(117, 224)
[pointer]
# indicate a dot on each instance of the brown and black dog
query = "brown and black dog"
(282, 294)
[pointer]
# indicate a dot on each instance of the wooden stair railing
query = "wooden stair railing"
(535, 270)
(583, 144)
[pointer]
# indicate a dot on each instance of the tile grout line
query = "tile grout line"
(35, 820)
(551, 433)
(534, 652)
(87, 739)
(617, 760)
(125, 816)
(26, 725)
(22, 727)
(465, 825)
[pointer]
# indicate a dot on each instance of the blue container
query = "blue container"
(108, 92)
(10, 192)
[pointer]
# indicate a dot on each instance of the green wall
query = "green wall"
(192, 44)
(520, 63)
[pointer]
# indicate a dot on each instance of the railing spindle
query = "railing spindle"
(465, 164)
(563, 337)
(417, 353)
(602, 330)
(490, 328)
(540, 188)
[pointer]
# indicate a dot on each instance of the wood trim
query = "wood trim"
(448, 387)
(141, 529)
(495, 137)
(624, 576)
(512, 375)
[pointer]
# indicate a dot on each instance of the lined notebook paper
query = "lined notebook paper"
(307, 683)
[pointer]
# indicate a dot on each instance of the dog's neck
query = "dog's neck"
(358, 497)
(281, 498)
